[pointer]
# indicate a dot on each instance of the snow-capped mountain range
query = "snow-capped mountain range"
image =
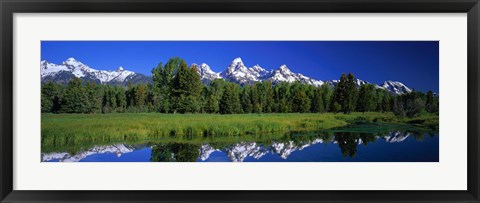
(62, 73)
(237, 72)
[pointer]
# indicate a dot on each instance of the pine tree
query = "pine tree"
(162, 77)
(340, 96)
(414, 103)
(301, 102)
(336, 107)
(140, 95)
(366, 98)
(256, 101)
(230, 103)
(94, 98)
(75, 99)
(50, 98)
(431, 103)
(283, 97)
(317, 101)
(186, 89)
(327, 95)
(259, 98)
(194, 89)
(121, 99)
(351, 96)
(269, 103)
(246, 100)
(211, 105)
(386, 102)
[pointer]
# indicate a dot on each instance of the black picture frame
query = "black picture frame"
(10, 7)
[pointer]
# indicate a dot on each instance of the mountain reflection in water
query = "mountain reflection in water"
(394, 146)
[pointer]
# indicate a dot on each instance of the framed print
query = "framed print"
(293, 101)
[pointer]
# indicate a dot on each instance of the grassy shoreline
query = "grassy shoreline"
(77, 129)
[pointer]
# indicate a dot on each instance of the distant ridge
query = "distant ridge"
(70, 68)
(236, 72)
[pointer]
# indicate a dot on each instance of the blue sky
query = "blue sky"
(415, 63)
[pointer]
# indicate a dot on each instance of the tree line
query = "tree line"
(178, 88)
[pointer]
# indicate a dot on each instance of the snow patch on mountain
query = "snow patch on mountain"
(240, 151)
(205, 151)
(81, 70)
(239, 73)
(395, 87)
(206, 72)
(117, 149)
(396, 136)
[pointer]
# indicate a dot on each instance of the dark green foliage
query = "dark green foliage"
(139, 96)
(340, 96)
(75, 99)
(336, 107)
(246, 100)
(51, 97)
(348, 142)
(230, 103)
(411, 104)
(327, 95)
(282, 97)
(175, 152)
(269, 102)
(351, 94)
(162, 79)
(301, 102)
(383, 101)
(366, 98)
(121, 99)
(431, 103)
(317, 101)
(186, 90)
(414, 103)
(256, 98)
(211, 104)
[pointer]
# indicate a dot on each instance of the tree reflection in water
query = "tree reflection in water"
(348, 142)
(175, 152)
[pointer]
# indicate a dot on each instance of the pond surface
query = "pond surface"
(391, 146)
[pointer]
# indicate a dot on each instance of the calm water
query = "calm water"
(394, 146)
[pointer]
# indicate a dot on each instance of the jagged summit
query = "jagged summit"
(239, 73)
(258, 70)
(284, 69)
(395, 87)
(206, 72)
(71, 59)
(237, 60)
(70, 68)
